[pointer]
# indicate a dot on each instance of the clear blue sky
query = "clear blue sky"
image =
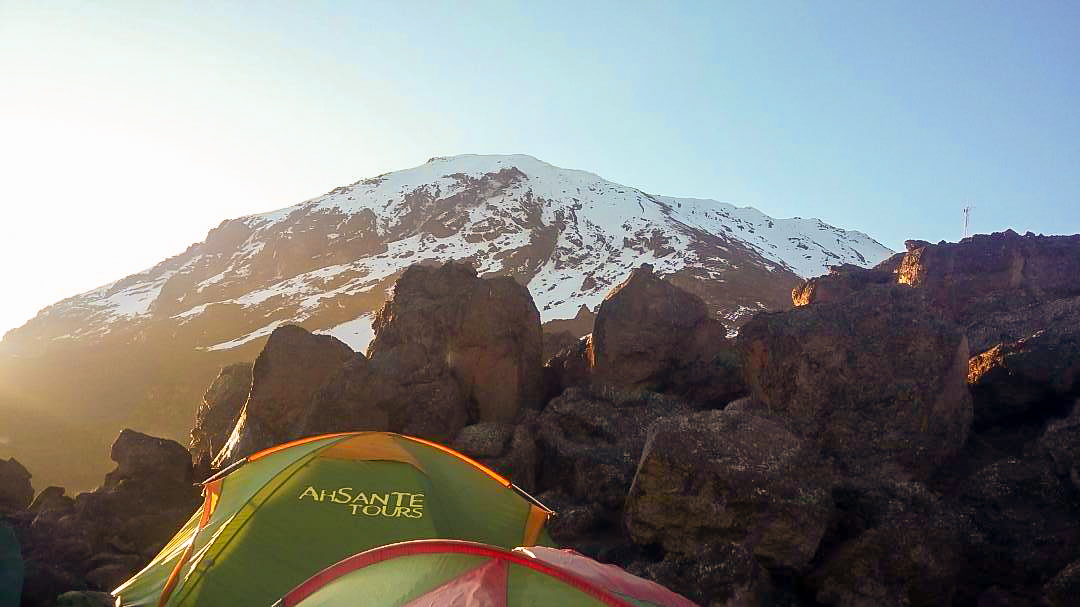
(128, 130)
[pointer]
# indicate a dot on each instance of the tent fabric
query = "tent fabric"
(291, 510)
(607, 576)
(11, 567)
(455, 573)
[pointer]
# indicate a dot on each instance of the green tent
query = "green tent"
(281, 515)
(11, 567)
(427, 573)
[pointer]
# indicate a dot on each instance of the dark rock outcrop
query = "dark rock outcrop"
(218, 412)
(893, 543)
(651, 335)
(716, 477)
(591, 440)
(450, 349)
(570, 366)
(509, 449)
(641, 329)
(16, 493)
(361, 396)
(716, 574)
(52, 499)
(876, 381)
(485, 332)
(984, 274)
(843, 280)
(1061, 443)
(103, 537)
(292, 367)
(1010, 378)
(1028, 519)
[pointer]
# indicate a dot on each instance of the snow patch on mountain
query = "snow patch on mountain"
(571, 235)
(356, 333)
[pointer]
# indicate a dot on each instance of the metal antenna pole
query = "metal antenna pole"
(967, 219)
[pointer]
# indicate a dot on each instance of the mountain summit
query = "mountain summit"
(140, 351)
(569, 235)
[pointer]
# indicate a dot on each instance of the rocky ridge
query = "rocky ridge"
(139, 350)
(870, 446)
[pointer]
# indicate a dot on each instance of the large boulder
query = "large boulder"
(141, 457)
(651, 335)
(106, 535)
(1029, 521)
(509, 449)
(366, 396)
(641, 328)
(293, 365)
(16, 493)
(1061, 443)
(450, 349)
(218, 412)
(718, 574)
(721, 477)
(486, 333)
(893, 543)
(1012, 377)
(1012, 325)
(590, 440)
(843, 280)
(877, 381)
(984, 274)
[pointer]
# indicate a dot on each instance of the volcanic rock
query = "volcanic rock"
(1030, 519)
(1064, 589)
(363, 396)
(1012, 325)
(843, 280)
(16, 492)
(142, 457)
(570, 366)
(485, 332)
(578, 326)
(591, 439)
(876, 381)
(717, 476)
(52, 499)
(450, 349)
(652, 335)
(557, 342)
(984, 274)
(1010, 378)
(641, 328)
(509, 449)
(218, 412)
(892, 542)
(292, 367)
(487, 439)
(717, 574)
(1061, 443)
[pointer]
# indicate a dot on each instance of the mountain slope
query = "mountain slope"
(142, 349)
(569, 235)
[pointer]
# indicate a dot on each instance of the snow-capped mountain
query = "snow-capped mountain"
(569, 235)
(141, 350)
